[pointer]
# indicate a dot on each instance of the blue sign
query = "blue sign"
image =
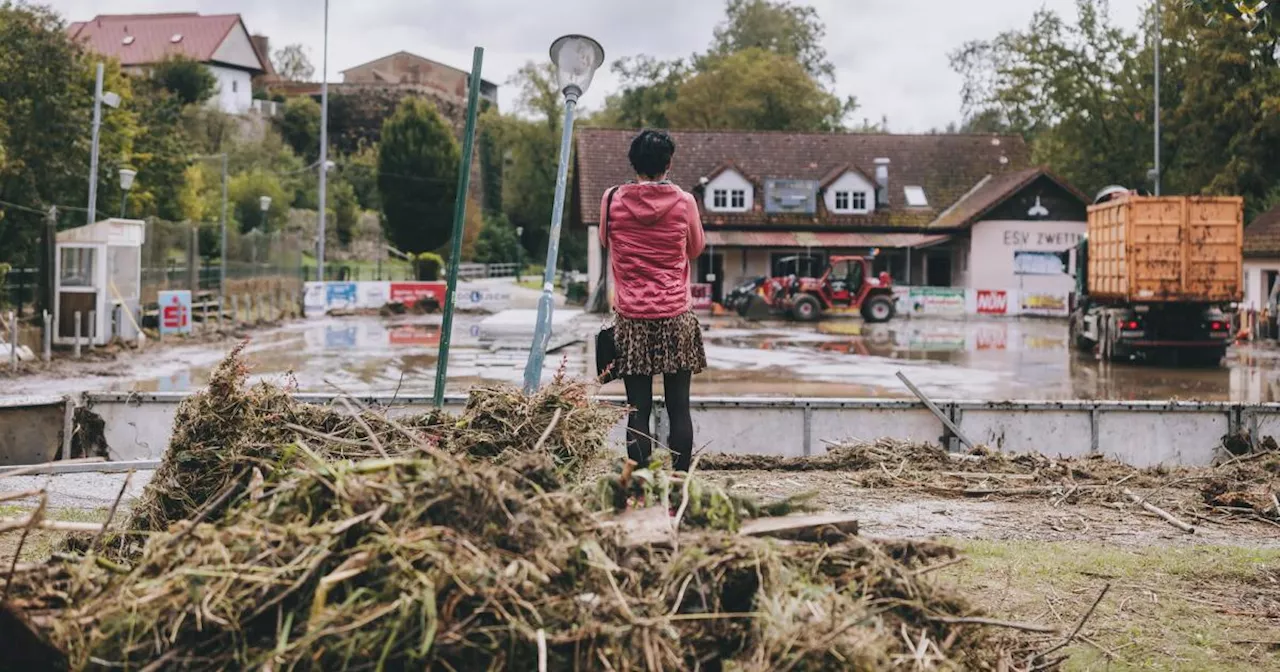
(476, 296)
(175, 311)
(340, 295)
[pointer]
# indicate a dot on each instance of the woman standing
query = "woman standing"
(652, 232)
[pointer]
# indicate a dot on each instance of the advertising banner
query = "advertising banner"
(993, 302)
(313, 299)
(1047, 304)
(483, 297)
(340, 296)
(936, 300)
(175, 311)
(410, 293)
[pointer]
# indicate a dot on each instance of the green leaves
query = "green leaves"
(417, 176)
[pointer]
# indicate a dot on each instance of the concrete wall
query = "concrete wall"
(1139, 433)
(994, 247)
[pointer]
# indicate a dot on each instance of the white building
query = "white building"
(945, 213)
(221, 42)
(1262, 261)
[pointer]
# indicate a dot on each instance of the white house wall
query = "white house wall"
(238, 50)
(1256, 291)
(994, 244)
(851, 182)
(729, 180)
(235, 90)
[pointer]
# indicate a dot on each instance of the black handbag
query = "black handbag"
(606, 346)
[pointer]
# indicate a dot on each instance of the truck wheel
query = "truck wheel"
(877, 309)
(806, 308)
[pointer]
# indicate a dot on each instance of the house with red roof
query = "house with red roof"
(221, 42)
(938, 210)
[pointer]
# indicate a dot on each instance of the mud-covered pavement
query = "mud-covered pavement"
(978, 359)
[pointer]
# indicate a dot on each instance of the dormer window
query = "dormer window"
(851, 202)
(729, 192)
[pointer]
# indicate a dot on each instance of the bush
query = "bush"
(428, 266)
(4, 294)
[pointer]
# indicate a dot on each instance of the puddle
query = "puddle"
(980, 360)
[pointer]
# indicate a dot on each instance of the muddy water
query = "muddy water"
(984, 360)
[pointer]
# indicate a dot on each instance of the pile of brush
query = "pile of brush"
(286, 536)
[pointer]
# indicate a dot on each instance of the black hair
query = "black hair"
(651, 153)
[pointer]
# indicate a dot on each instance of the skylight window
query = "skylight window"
(177, 37)
(128, 40)
(915, 197)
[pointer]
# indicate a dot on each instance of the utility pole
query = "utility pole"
(93, 152)
(222, 245)
(324, 144)
(1157, 55)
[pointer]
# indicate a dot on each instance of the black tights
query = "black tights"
(640, 399)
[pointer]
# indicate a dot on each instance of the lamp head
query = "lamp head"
(576, 57)
(265, 203)
(126, 178)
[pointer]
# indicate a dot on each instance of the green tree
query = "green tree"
(417, 173)
(648, 87)
(760, 90)
(344, 208)
(245, 191)
(498, 243)
(292, 64)
(300, 127)
(793, 31)
(46, 84)
(161, 153)
(361, 170)
(185, 78)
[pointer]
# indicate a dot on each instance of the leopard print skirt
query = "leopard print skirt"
(655, 347)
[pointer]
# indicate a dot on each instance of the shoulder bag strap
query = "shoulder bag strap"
(604, 223)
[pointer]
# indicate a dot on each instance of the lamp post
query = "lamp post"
(519, 254)
(126, 183)
(113, 101)
(576, 57)
(265, 204)
(324, 145)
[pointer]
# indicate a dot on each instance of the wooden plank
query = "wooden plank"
(813, 527)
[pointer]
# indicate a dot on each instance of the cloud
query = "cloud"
(890, 54)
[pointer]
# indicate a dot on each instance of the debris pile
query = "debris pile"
(286, 536)
(1243, 485)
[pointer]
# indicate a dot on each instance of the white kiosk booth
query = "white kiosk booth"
(99, 271)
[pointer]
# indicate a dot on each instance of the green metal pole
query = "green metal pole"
(459, 222)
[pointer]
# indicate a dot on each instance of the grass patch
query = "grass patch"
(1200, 608)
(41, 543)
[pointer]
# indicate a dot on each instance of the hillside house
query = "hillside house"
(936, 210)
(221, 42)
(1262, 261)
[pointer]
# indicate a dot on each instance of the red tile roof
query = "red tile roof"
(1262, 235)
(153, 36)
(990, 193)
(946, 166)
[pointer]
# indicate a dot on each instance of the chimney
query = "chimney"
(882, 182)
(262, 44)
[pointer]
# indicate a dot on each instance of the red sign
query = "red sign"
(410, 293)
(993, 339)
(175, 316)
(992, 302)
(701, 295)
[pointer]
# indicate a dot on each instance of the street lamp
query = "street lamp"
(113, 101)
(519, 254)
(222, 234)
(576, 57)
(126, 183)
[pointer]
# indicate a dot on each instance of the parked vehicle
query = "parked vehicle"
(846, 286)
(1157, 276)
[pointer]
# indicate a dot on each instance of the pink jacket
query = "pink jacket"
(654, 230)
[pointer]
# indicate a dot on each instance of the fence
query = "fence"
(396, 271)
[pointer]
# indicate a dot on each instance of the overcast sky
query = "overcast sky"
(891, 54)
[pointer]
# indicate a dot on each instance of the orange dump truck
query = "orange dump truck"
(1157, 276)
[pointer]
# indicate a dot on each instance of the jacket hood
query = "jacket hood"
(649, 202)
